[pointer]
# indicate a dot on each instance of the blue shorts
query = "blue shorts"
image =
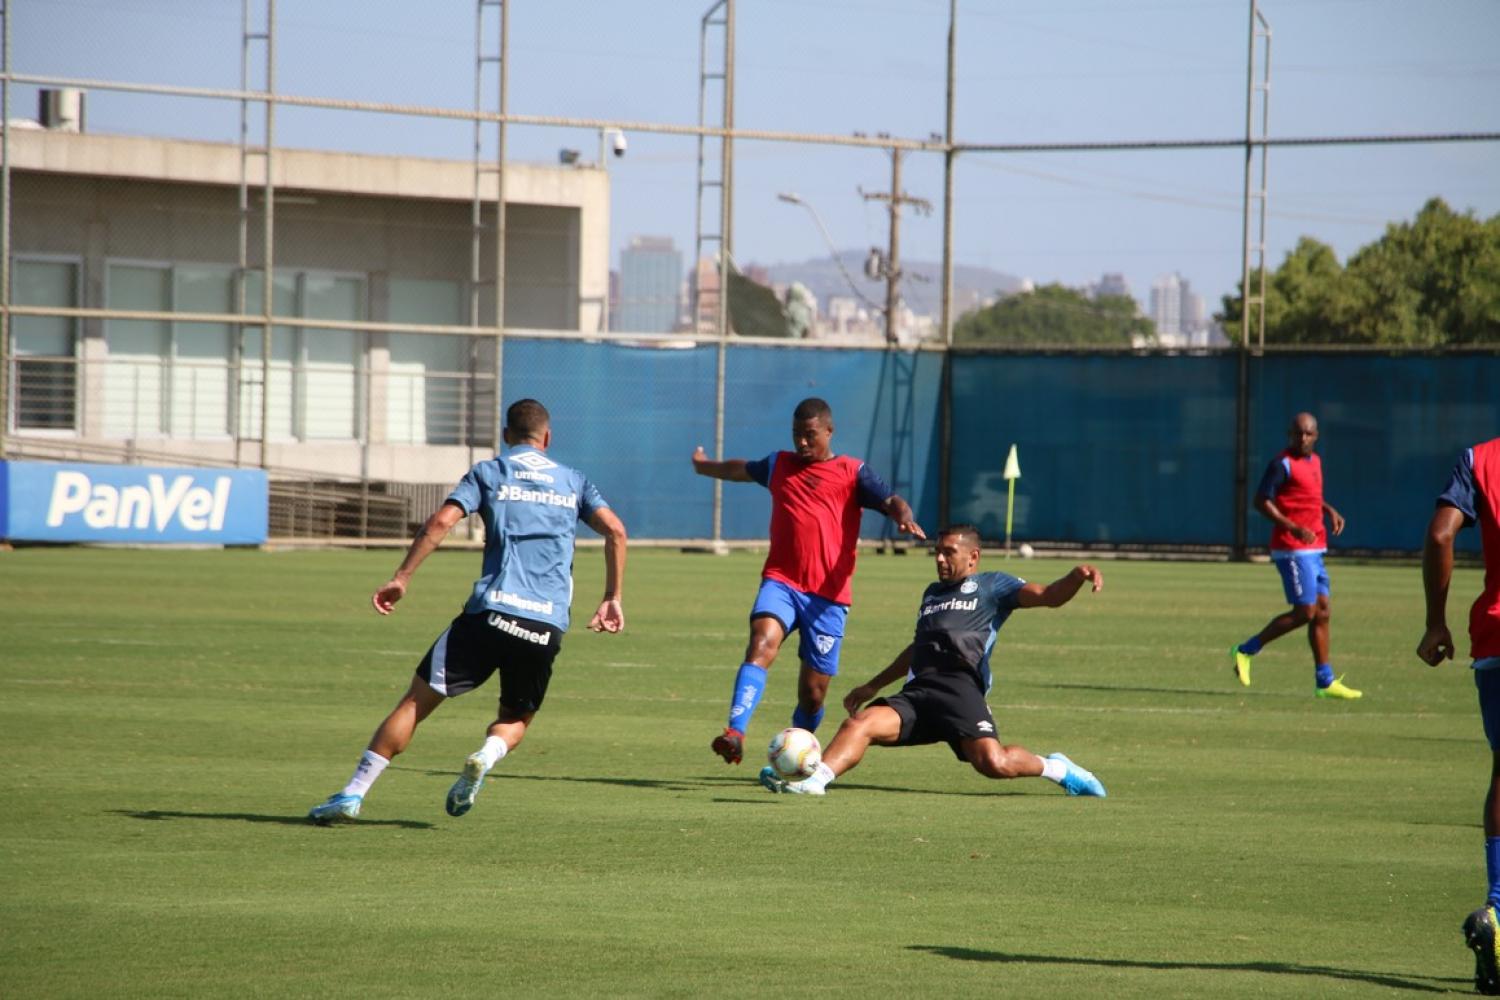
(1488, 683)
(820, 621)
(1303, 578)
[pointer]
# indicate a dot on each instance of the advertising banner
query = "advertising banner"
(82, 502)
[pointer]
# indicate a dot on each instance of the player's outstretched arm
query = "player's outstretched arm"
(732, 469)
(1062, 590)
(428, 539)
(611, 614)
(870, 688)
(1437, 573)
(1335, 519)
(898, 510)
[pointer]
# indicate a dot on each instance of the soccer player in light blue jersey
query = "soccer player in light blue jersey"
(517, 612)
(948, 670)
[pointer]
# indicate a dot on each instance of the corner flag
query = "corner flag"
(1011, 474)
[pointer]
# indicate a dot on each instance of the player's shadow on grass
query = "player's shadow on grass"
(1134, 689)
(302, 820)
(692, 784)
(1386, 979)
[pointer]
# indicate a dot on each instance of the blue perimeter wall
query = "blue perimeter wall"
(1122, 449)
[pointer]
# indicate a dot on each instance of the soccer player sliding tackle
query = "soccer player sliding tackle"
(948, 664)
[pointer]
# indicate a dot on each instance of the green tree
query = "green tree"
(1426, 283)
(1054, 315)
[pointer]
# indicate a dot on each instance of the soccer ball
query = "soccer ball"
(1025, 550)
(794, 754)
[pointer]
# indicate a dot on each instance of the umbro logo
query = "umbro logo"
(533, 460)
(985, 726)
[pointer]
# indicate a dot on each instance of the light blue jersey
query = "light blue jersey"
(531, 507)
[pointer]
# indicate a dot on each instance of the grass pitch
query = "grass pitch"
(167, 718)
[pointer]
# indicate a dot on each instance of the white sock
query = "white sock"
(493, 751)
(1053, 770)
(821, 778)
(369, 768)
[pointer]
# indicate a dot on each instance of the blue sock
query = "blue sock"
(807, 720)
(1492, 868)
(749, 684)
(1325, 674)
(1251, 646)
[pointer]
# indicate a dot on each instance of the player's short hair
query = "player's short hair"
(967, 533)
(527, 419)
(813, 408)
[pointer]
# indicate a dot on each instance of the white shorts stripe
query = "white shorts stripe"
(439, 681)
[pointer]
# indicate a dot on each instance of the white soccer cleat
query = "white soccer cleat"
(461, 796)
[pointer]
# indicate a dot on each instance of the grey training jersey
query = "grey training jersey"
(957, 623)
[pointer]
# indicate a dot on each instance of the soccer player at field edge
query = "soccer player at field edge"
(948, 662)
(816, 498)
(1473, 494)
(1290, 496)
(515, 617)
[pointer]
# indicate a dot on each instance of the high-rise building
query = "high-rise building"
(1178, 312)
(1166, 307)
(650, 280)
(1112, 283)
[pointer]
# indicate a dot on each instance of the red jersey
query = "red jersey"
(1295, 483)
(1484, 616)
(815, 515)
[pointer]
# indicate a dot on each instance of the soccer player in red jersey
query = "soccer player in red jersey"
(1290, 496)
(816, 499)
(1473, 494)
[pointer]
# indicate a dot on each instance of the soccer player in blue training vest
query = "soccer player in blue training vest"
(948, 665)
(816, 502)
(1290, 496)
(516, 615)
(1473, 495)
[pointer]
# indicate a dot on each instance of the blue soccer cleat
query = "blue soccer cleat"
(1479, 935)
(338, 807)
(774, 782)
(1077, 781)
(461, 796)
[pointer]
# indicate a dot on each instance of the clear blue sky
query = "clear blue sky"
(1031, 70)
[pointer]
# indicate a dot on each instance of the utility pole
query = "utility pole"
(890, 268)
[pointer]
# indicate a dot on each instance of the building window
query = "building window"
(428, 389)
(315, 392)
(44, 374)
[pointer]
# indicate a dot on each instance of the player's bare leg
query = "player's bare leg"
(1317, 630)
(1290, 620)
(812, 692)
(392, 736)
(993, 759)
(766, 637)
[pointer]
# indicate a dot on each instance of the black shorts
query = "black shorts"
(475, 646)
(941, 707)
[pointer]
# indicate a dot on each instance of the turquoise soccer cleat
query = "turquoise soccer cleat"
(1077, 781)
(461, 796)
(337, 808)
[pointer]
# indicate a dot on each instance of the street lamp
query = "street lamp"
(795, 199)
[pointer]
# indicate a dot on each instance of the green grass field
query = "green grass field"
(167, 718)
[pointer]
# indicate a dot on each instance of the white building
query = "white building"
(154, 225)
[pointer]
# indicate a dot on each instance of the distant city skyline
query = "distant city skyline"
(1075, 70)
